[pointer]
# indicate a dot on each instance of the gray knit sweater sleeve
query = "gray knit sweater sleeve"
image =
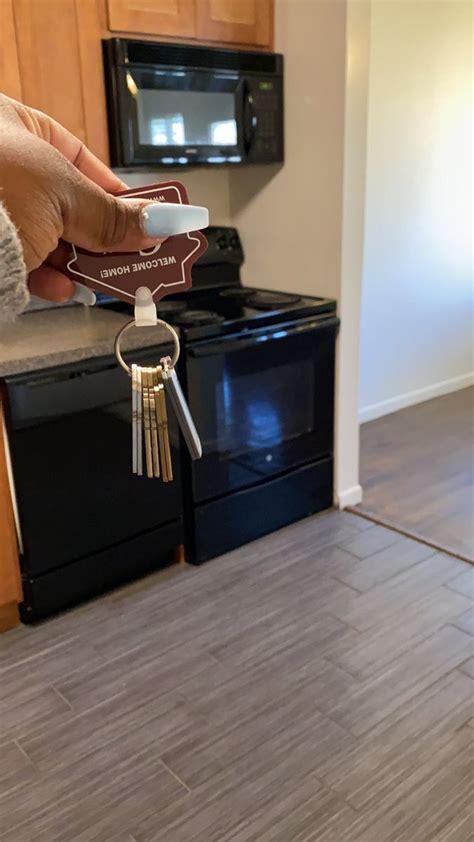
(14, 294)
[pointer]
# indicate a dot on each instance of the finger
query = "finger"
(96, 220)
(46, 282)
(60, 256)
(77, 153)
(87, 163)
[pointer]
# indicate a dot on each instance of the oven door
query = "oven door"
(174, 116)
(263, 403)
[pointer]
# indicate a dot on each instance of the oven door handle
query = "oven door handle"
(233, 343)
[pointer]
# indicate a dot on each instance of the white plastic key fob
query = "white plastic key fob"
(181, 410)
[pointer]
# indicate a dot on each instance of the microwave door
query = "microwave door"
(181, 117)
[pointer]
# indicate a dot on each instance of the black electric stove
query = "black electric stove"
(239, 307)
(257, 367)
(218, 303)
(228, 306)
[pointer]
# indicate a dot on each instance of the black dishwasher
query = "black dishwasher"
(86, 522)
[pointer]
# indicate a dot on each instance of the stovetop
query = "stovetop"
(218, 311)
(219, 304)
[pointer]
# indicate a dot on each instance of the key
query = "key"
(134, 420)
(152, 381)
(166, 438)
(139, 400)
(159, 421)
(162, 421)
(147, 423)
(155, 456)
(181, 409)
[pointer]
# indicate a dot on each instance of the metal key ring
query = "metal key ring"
(130, 324)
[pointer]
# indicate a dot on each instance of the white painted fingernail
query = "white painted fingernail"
(83, 295)
(165, 220)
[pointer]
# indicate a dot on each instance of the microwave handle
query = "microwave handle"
(249, 116)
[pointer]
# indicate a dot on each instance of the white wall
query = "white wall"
(417, 290)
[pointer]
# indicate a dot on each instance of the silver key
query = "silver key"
(139, 423)
(181, 409)
(134, 420)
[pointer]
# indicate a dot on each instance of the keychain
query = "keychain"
(143, 278)
(149, 410)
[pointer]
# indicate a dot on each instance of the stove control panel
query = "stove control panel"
(224, 246)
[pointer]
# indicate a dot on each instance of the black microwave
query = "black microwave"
(181, 105)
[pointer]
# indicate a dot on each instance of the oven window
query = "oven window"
(256, 410)
(260, 409)
(186, 118)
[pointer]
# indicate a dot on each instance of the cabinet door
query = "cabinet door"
(49, 60)
(91, 28)
(153, 17)
(9, 69)
(236, 21)
(10, 584)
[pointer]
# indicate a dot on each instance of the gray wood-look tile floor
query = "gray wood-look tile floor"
(315, 686)
(417, 471)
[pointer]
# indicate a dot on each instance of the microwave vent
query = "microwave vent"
(142, 52)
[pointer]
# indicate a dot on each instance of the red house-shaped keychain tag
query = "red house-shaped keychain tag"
(164, 269)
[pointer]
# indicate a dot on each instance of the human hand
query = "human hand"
(55, 189)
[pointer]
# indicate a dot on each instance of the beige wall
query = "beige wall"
(290, 217)
(348, 489)
(302, 225)
(206, 187)
(417, 291)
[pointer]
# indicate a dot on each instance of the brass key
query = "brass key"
(169, 464)
(162, 422)
(159, 422)
(147, 422)
(152, 379)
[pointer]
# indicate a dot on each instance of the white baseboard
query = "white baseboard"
(376, 410)
(349, 497)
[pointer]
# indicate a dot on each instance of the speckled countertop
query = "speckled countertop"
(47, 338)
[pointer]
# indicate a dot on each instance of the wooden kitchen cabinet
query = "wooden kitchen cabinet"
(153, 17)
(245, 22)
(49, 60)
(10, 581)
(235, 21)
(10, 83)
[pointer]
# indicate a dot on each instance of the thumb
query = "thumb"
(97, 221)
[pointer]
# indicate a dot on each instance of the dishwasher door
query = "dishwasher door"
(70, 440)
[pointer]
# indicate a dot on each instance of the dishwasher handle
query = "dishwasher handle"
(36, 397)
